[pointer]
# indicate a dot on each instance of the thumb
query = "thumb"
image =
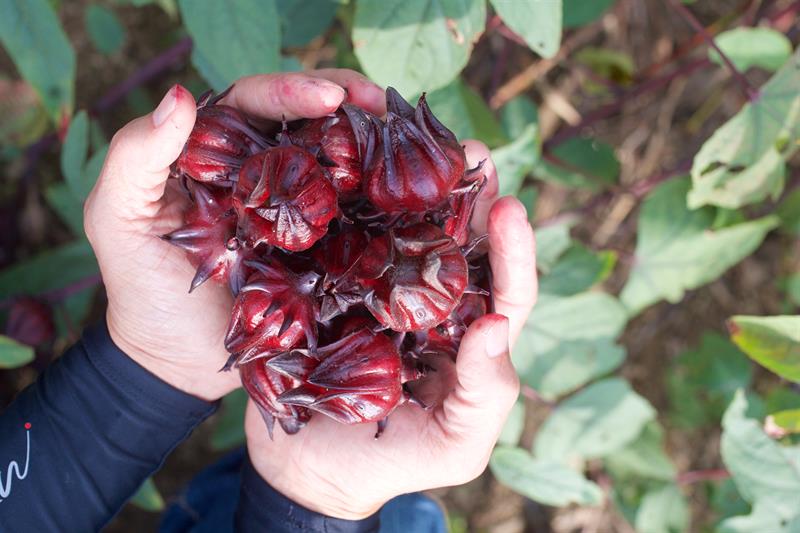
(487, 384)
(137, 165)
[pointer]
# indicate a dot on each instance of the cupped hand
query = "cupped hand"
(343, 471)
(151, 316)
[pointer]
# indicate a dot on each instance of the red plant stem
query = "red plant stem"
(695, 476)
(750, 91)
(62, 293)
(166, 60)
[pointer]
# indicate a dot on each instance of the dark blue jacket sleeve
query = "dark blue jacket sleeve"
(262, 508)
(75, 445)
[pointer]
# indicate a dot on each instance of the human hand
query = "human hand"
(343, 471)
(151, 316)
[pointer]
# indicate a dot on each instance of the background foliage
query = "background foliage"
(654, 144)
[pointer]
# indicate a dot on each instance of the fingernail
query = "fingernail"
(166, 107)
(497, 338)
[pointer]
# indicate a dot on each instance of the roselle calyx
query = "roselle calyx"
(264, 386)
(274, 312)
(346, 241)
(415, 276)
(421, 160)
(292, 202)
(357, 379)
(210, 241)
(220, 140)
(344, 144)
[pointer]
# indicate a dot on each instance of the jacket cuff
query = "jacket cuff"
(262, 508)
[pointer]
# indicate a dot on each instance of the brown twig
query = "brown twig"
(750, 91)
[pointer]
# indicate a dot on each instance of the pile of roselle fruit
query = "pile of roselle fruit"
(346, 243)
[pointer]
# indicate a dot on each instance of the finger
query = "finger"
(137, 165)
(361, 91)
(487, 384)
(512, 255)
(478, 152)
(288, 95)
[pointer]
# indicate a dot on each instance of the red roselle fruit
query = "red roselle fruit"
(346, 243)
(30, 321)
(292, 202)
(219, 142)
(344, 143)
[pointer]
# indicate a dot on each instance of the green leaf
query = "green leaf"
(67, 206)
(32, 34)
(104, 29)
(752, 47)
(766, 474)
(13, 354)
(788, 420)
(791, 285)
(772, 341)
(577, 271)
(597, 421)
(789, 213)
(726, 500)
(608, 64)
(515, 423)
(517, 114)
(547, 482)
(663, 510)
(529, 195)
(580, 12)
(148, 497)
(514, 161)
(570, 365)
(538, 22)
(74, 154)
(465, 113)
(416, 45)
(676, 251)
(232, 38)
(642, 459)
(229, 429)
(580, 162)
(302, 21)
(781, 398)
(702, 381)
(760, 520)
(743, 162)
(551, 243)
(586, 316)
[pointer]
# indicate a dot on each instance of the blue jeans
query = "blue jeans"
(209, 502)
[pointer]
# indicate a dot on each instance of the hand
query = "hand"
(343, 471)
(151, 317)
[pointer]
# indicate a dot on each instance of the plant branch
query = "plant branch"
(695, 476)
(166, 60)
(750, 91)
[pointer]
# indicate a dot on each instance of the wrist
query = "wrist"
(320, 496)
(200, 382)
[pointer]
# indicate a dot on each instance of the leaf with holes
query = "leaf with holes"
(743, 161)
(416, 45)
